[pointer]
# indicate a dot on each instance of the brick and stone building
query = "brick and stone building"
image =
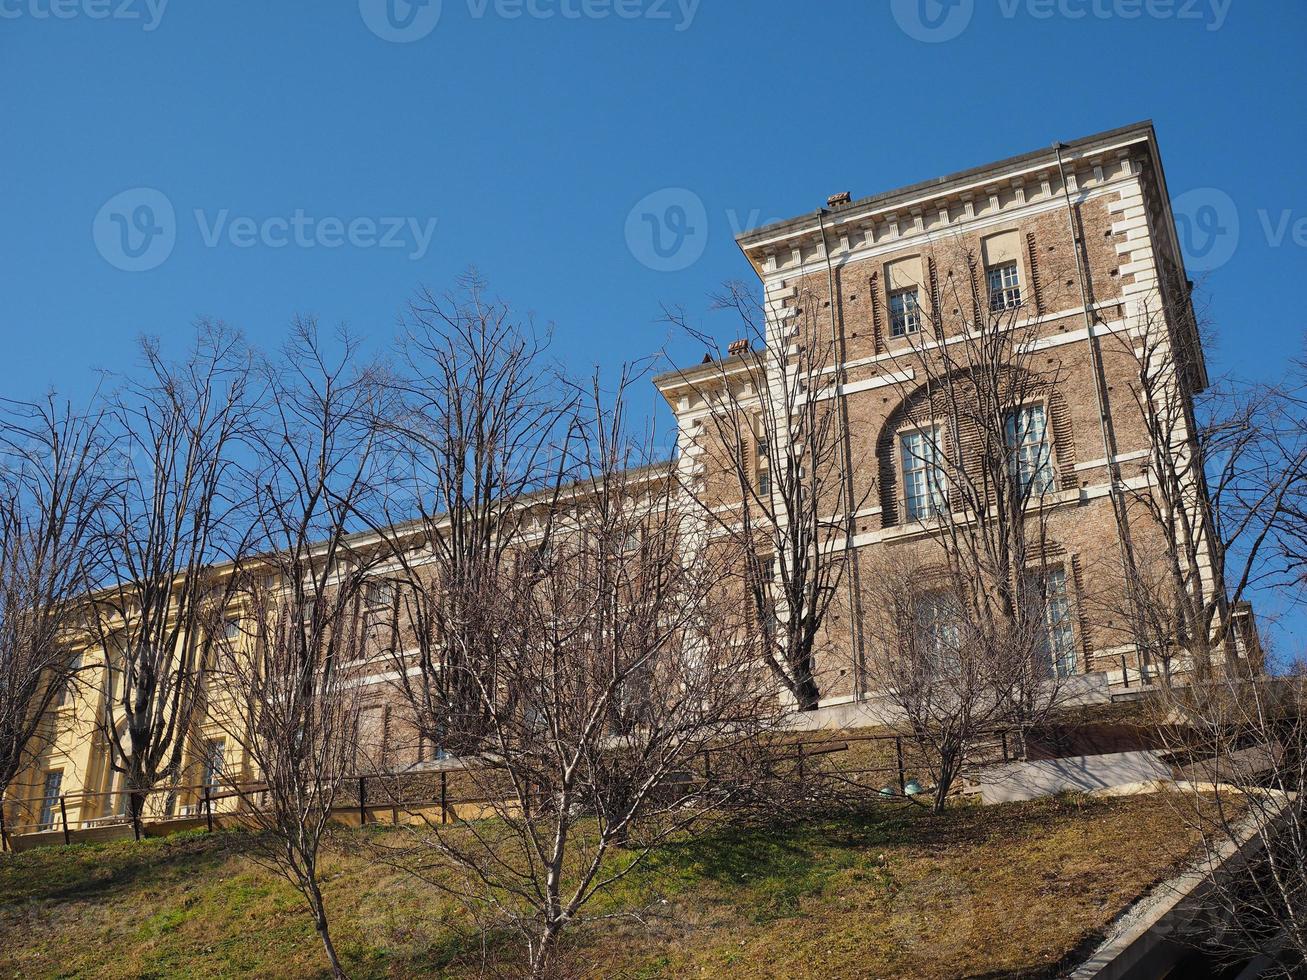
(1074, 246)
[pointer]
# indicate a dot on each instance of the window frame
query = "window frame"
(1059, 660)
(1033, 485)
(1005, 295)
(906, 322)
(937, 619)
(210, 774)
(45, 817)
(63, 696)
(935, 496)
(759, 456)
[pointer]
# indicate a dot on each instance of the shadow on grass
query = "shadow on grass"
(797, 842)
(766, 865)
(89, 872)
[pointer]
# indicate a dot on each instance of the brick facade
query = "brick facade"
(940, 238)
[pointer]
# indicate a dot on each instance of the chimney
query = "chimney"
(738, 347)
(837, 200)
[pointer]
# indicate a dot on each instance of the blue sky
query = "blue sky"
(408, 142)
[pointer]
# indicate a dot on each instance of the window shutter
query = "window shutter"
(968, 456)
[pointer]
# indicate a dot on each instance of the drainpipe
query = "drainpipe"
(854, 581)
(1100, 398)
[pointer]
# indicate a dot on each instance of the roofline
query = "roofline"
(1141, 131)
(385, 537)
(714, 367)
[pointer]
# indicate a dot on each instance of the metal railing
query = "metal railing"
(804, 762)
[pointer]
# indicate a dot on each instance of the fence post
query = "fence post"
(4, 831)
(208, 807)
(1005, 745)
(444, 796)
(363, 801)
(63, 810)
(800, 765)
(898, 752)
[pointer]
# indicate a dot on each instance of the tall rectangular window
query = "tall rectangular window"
(64, 694)
(1057, 646)
(1030, 455)
(379, 597)
(215, 757)
(923, 475)
(1004, 286)
(904, 313)
(50, 798)
(938, 626)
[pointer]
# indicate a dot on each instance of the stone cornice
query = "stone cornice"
(947, 203)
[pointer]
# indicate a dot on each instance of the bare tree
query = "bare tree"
(1241, 745)
(173, 517)
(953, 681)
(1214, 518)
(52, 480)
(978, 617)
(618, 666)
(289, 667)
(474, 434)
(773, 480)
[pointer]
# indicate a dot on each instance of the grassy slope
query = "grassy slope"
(893, 892)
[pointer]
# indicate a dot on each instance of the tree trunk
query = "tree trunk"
(544, 952)
(948, 772)
(324, 933)
(805, 688)
(136, 809)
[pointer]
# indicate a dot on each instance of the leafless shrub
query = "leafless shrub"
(975, 620)
(288, 686)
(1241, 743)
(773, 482)
(52, 480)
(619, 661)
(173, 514)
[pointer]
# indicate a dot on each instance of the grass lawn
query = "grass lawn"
(893, 891)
